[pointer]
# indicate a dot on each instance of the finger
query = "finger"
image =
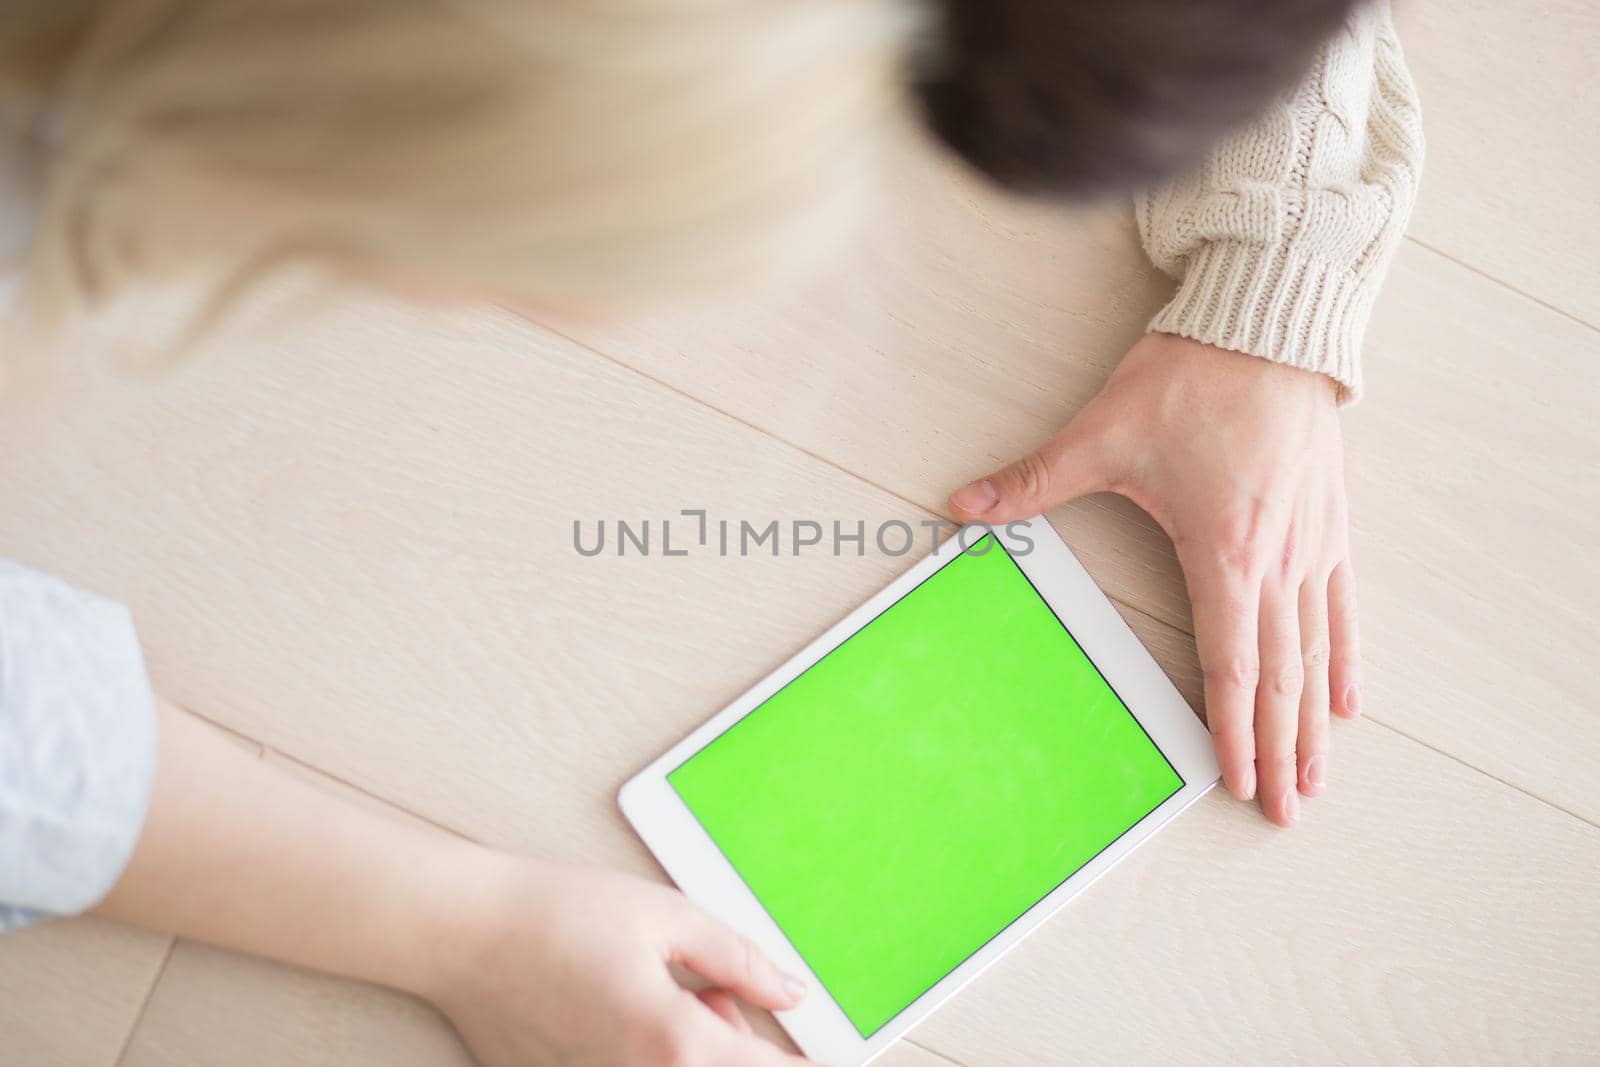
(732, 961)
(1225, 610)
(1311, 744)
(748, 1050)
(1278, 702)
(700, 1039)
(1344, 669)
(722, 1003)
(1069, 465)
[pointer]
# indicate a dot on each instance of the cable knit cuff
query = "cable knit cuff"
(1276, 303)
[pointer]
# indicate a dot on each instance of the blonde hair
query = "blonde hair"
(540, 150)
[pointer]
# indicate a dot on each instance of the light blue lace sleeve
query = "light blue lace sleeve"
(77, 745)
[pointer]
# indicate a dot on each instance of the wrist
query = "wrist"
(433, 909)
(1235, 371)
(462, 919)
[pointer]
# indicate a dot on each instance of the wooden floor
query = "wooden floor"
(347, 539)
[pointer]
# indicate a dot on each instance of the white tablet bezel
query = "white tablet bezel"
(694, 862)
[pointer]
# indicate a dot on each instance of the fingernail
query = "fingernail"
(1247, 783)
(977, 498)
(1291, 807)
(793, 988)
(1317, 772)
(1352, 699)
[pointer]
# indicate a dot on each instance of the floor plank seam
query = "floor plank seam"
(322, 772)
(1376, 721)
(224, 727)
(707, 405)
(1586, 820)
(1507, 286)
(369, 794)
(824, 460)
(144, 1004)
(935, 1053)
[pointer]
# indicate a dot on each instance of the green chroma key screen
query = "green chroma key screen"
(925, 783)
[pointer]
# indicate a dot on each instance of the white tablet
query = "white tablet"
(924, 784)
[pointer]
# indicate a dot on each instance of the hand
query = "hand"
(569, 966)
(1242, 463)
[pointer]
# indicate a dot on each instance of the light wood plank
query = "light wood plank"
(368, 563)
(1509, 94)
(220, 1007)
(906, 1054)
(1475, 493)
(970, 327)
(71, 990)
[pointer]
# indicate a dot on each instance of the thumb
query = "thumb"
(731, 961)
(1067, 466)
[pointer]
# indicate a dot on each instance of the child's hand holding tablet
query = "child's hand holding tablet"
(925, 783)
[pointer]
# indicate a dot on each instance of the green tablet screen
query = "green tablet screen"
(925, 783)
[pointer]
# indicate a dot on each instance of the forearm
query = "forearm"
(239, 853)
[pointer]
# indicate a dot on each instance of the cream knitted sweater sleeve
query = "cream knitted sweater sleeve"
(1280, 240)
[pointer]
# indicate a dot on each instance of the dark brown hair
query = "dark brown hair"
(1080, 97)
